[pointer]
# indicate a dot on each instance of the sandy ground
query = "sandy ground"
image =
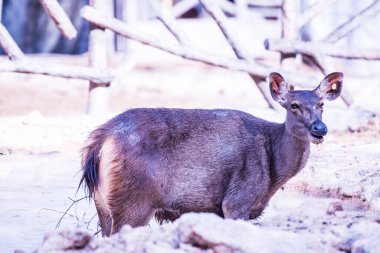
(42, 129)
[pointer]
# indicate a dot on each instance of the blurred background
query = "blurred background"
(67, 66)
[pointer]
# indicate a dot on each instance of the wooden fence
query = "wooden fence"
(289, 45)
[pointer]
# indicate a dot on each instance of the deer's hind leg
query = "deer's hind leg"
(105, 220)
(133, 213)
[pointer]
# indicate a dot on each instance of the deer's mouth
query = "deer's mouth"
(316, 139)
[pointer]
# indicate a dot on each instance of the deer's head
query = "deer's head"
(305, 107)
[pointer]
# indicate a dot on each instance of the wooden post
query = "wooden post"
(289, 30)
(97, 50)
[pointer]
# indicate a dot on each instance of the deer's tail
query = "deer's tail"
(91, 155)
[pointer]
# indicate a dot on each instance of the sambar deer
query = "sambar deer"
(166, 162)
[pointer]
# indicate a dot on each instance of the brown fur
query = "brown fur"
(166, 162)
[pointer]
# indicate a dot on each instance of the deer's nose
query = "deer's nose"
(318, 128)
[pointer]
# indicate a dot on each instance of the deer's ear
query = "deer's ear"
(278, 88)
(331, 86)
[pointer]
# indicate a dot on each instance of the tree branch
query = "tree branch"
(169, 22)
(61, 20)
(221, 20)
(314, 11)
(58, 70)
(9, 45)
(312, 48)
(354, 22)
(94, 16)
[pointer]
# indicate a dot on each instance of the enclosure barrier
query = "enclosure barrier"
(289, 46)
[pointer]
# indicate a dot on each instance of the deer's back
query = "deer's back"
(190, 154)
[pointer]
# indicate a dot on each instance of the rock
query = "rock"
(363, 237)
(334, 207)
(192, 233)
(367, 245)
(65, 240)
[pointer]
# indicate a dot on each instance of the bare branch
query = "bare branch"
(312, 48)
(92, 15)
(168, 21)
(9, 45)
(61, 20)
(59, 70)
(67, 210)
(363, 16)
(314, 11)
(221, 20)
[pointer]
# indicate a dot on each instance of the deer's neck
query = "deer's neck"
(290, 155)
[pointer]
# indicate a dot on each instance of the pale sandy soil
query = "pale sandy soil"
(42, 130)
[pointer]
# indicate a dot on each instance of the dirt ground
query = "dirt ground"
(42, 129)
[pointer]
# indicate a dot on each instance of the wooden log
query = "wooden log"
(165, 17)
(346, 28)
(9, 45)
(221, 20)
(313, 11)
(312, 48)
(60, 18)
(94, 16)
(97, 50)
(29, 66)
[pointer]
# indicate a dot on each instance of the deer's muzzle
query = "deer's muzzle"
(318, 128)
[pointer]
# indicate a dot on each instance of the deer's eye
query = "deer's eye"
(294, 106)
(321, 104)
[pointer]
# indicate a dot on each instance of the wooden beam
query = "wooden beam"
(346, 28)
(9, 45)
(94, 16)
(30, 66)
(312, 48)
(313, 11)
(60, 18)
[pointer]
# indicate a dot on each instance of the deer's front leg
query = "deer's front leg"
(245, 194)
